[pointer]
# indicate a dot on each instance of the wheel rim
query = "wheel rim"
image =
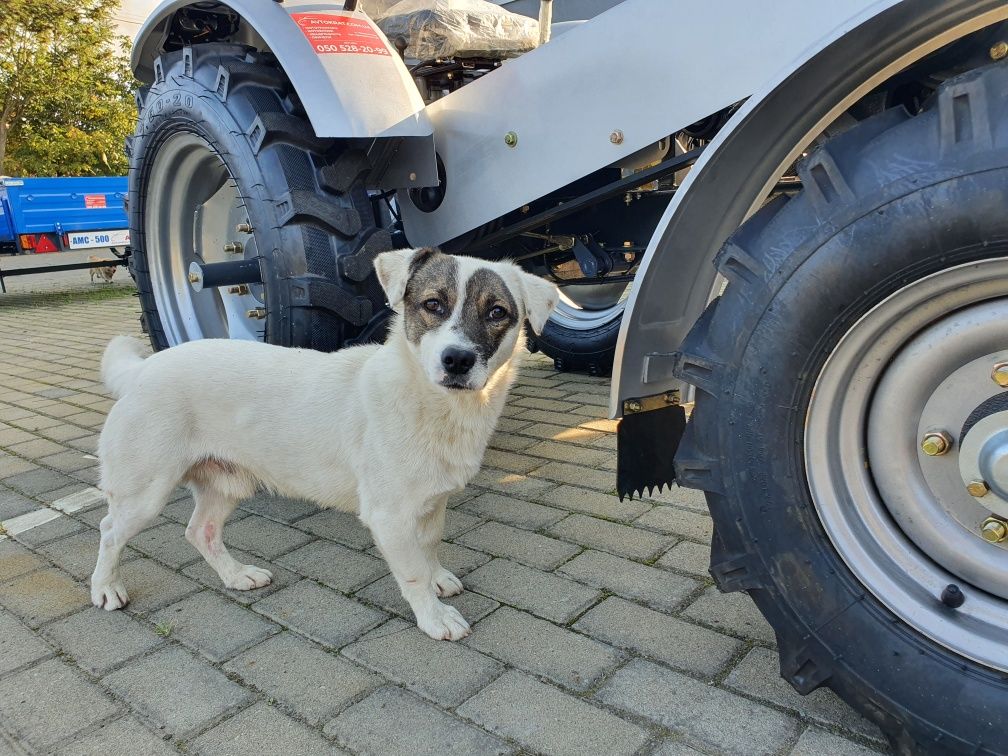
(192, 208)
(920, 362)
(582, 308)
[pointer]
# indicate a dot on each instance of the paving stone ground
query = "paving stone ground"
(595, 625)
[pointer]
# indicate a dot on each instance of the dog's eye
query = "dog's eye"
(497, 313)
(433, 305)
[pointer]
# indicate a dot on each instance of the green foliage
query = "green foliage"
(66, 101)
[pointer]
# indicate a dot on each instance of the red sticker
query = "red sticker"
(340, 34)
(94, 200)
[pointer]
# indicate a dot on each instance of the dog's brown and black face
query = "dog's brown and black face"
(462, 316)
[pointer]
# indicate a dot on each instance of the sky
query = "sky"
(132, 13)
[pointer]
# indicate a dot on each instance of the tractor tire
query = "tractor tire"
(590, 350)
(224, 155)
(896, 207)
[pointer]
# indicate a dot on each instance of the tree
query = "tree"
(66, 101)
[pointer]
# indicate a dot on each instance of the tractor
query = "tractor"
(790, 216)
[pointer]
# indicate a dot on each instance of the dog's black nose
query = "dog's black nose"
(457, 361)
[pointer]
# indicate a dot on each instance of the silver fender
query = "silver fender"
(739, 168)
(345, 95)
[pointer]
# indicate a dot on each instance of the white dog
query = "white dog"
(385, 431)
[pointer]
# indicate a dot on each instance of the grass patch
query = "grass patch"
(164, 629)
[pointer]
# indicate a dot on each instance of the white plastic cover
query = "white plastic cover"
(454, 28)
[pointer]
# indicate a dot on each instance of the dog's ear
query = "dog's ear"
(540, 296)
(393, 270)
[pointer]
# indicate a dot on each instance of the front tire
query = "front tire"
(899, 212)
(223, 166)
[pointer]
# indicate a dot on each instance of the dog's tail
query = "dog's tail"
(123, 356)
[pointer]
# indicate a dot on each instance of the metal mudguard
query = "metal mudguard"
(349, 87)
(736, 173)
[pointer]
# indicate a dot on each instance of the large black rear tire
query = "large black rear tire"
(313, 228)
(888, 204)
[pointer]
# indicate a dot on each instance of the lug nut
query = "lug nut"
(235, 247)
(259, 313)
(999, 50)
(241, 289)
(194, 278)
(977, 488)
(994, 530)
(632, 405)
(243, 228)
(936, 443)
(511, 139)
(1000, 374)
(616, 137)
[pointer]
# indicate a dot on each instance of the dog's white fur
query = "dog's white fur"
(367, 430)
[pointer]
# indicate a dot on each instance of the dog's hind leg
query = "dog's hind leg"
(205, 533)
(127, 516)
(430, 531)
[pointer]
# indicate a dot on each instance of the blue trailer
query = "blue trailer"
(56, 214)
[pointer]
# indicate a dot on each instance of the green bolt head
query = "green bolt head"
(511, 139)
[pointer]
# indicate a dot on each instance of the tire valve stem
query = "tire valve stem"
(259, 313)
(235, 247)
(952, 596)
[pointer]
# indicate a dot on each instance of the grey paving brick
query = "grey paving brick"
(16, 560)
(391, 720)
(446, 673)
(510, 442)
(512, 484)
(758, 675)
(675, 748)
(13, 504)
(44, 595)
(678, 521)
(213, 626)
(564, 452)
(98, 640)
(540, 647)
(333, 565)
(510, 461)
(151, 585)
(280, 508)
(386, 594)
(263, 537)
(817, 742)
(205, 575)
(69, 460)
(261, 729)
(545, 720)
(18, 645)
(586, 477)
(342, 527)
(712, 717)
(37, 717)
(654, 587)
(543, 594)
(561, 433)
(176, 692)
(605, 505)
(167, 544)
(659, 636)
(689, 498)
(49, 531)
(123, 737)
(520, 545)
(320, 613)
(523, 514)
(306, 680)
(37, 447)
(733, 613)
(457, 523)
(459, 559)
(687, 556)
(78, 553)
(611, 536)
(36, 481)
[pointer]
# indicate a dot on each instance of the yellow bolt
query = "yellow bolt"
(235, 247)
(1000, 374)
(994, 530)
(616, 137)
(977, 488)
(935, 443)
(632, 405)
(194, 278)
(257, 314)
(511, 139)
(244, 228)
(241, 289)
(999, 50)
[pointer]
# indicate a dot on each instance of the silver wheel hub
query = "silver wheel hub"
(905, 521)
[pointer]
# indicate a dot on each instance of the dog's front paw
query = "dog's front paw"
(446, 584)
(110, 596)
(444, 622)
(248, 578)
